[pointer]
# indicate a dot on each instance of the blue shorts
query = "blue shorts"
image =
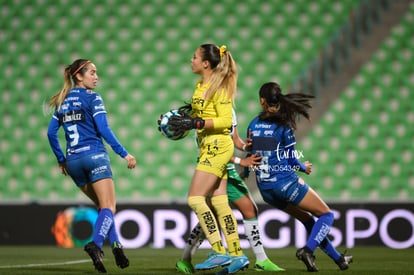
(89, 168)
(284, 193)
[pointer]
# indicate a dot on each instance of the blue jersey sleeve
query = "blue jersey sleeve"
(52, 135)
(106, 132)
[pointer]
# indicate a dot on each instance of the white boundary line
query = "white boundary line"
(45, 264)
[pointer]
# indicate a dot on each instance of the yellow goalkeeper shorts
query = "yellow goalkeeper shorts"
(215, 152)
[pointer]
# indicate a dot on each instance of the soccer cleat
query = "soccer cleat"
(344, 261)
(214, 260)
(120, 258)
(267, 265)
(307, 257)
(184, 266)
(96, 255)
(237, 263)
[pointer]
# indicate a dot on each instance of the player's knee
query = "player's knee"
(196, 202)
(220, 202)
(248, 213)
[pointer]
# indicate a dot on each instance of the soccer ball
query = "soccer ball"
(165, 131)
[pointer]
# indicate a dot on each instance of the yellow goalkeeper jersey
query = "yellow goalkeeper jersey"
(218, 108)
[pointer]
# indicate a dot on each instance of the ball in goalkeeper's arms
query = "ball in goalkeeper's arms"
(164, 127)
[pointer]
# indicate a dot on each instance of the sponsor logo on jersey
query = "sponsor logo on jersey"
(64, 107)
(100, 107)
(268, 132)
(72, 98)
(264, 126)
(256, 133)
(283, 153)
(198, 101)
(78, 150)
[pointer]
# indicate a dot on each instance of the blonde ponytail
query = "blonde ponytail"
(57, 100)
(224, 78)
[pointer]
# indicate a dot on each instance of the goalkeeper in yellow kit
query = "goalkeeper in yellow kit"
(239, 197)
(212, 104)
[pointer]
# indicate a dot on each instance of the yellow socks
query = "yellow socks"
(209, 224)
(207, 221)
(218, 247)
(228, 224)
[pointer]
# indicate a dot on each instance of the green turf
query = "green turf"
(367, 260)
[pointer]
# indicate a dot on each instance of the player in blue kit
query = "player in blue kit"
(81, 113)
(272, 134)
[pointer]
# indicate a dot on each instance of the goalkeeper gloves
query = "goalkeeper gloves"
(187, 109)
(184, 122)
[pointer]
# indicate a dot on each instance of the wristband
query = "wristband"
(244, 147)
(237, 160)
(198, 123)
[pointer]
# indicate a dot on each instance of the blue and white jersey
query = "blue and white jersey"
(83, 118)
(275, 143)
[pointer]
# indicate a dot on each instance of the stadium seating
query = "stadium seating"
(143, 50)
(370, 127)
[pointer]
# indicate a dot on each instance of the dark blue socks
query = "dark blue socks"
(318, 235)
(103, 225)
(326, 244)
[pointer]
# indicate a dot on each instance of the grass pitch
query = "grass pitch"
(45, 260)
